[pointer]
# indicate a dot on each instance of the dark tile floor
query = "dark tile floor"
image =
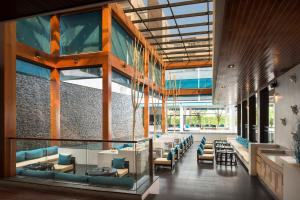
(192, 180)
(189, 181)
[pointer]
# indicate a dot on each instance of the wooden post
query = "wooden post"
(107, 74)
(55, 35)
(163, 103)
(55, 81)
(55, 105)
(146, 95)
(7, 98)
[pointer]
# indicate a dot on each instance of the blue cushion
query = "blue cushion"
(118, 163)
(20, 156)
(52, 150)
(19, 171)
(38, 173)
(71, 177)
(34, 154)
(199, 151)
(201, 146)
(127, 182)
(127, 145)
(64, 159)
(181, 145)
(44, 151)
(170, 155)
(203, 142)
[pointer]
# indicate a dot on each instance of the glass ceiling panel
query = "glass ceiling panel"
(188, 9)
(178, 46)
(190, 20)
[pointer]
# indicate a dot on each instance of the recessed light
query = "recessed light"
(230, 66)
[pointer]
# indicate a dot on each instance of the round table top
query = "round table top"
(102, 171)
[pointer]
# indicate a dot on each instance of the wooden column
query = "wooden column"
(252, 119)
(55, 35)
(264, 115)
(163, 106)
(146, 111)
(107, 75)
(55, 104)
(239, 121)
(146, 95)
(7, 98)
(55, 81)
(244, 119)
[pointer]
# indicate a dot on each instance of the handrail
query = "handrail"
(77, 140)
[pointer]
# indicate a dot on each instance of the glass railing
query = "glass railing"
(122, 166)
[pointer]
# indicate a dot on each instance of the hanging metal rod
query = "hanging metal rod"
(184, 3)
(179, 26)
(173, 17)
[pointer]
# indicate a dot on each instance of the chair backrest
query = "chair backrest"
(126, 164)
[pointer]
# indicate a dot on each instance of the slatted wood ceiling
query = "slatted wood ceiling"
(262, 40)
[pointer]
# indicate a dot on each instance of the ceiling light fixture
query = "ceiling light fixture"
(231, 66)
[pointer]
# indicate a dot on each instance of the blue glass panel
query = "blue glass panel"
(35, 32)
(121, 42)
(120, 79)
(80, 33)
(83, 73)
(190, 83)
(32, 69)
(122, 45)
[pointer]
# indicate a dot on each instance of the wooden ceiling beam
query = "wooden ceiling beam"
(199, 14)
(183, 41)
(189, 64)
(175, 27)
(190, 92)
(180, 34)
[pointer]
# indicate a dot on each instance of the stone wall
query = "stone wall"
(122, 118)
(81, 112)
(33, 106)
(33, 110)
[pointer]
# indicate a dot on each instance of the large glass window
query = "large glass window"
(35, 32)
(189, 78)
(81, 33)
(122, 45)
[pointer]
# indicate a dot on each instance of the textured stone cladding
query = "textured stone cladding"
(33, 109)
(81, 112)
(122, 118)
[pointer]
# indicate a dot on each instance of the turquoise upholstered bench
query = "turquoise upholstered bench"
(107, 181)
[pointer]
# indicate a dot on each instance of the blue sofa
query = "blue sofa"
(106, 181)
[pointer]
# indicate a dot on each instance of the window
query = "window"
(35, 32)
(81, 33)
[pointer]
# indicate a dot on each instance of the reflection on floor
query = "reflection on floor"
(190, 181)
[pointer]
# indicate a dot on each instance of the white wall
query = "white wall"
(287, 94)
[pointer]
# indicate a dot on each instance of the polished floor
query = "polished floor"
(191, 180)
